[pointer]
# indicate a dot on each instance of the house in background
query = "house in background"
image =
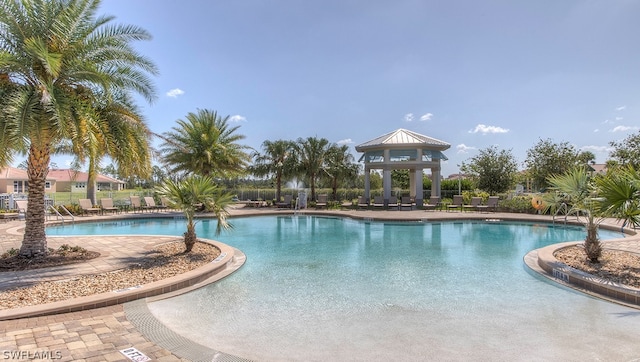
(68, 180)
(16, 181)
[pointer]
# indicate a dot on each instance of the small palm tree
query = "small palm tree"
(340, 166)
(581, 198)
(620, 191)
(189, 194)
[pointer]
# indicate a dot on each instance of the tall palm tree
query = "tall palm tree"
(206, 144)
(581, 197)
(620, 191)
(194, 190)
(277, 159)
(339, 166)
(311, 153)
(56, 59)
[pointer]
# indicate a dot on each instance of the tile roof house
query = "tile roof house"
(68, 180)
(15, 181)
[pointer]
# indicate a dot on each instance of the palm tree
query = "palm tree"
(581, 198)
(205, 144)
(311, 153)
(191, 192)
(57, 59)
(278, 159)
(119, 132)
(340, 166)
(620, 191)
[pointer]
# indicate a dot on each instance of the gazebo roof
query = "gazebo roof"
(402, 137)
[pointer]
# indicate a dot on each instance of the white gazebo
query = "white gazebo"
(403, 150)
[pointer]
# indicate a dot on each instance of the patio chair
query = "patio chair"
(492, 204)
(456, 204)
(286, 203)
(362, 202)
(165, 203)
(87, 207)
(433, 204)
(406, 201)
(322, 201)
(378, 202)
(107, 205)
(393, 203)
(21, 205)
(473, 206)
(135, 203)
(150, 204)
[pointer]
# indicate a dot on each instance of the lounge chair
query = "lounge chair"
(107, 206)
(378, 202)
(87, 207)
(492, 204)
(434, 203)
(406, 201)
(456, 204)
(362, 203)
(151, 204)
(473, 206)
(393, 203)
(166, 203)
(322, 201)
(135, 203)
(21, 205)
(286, 203)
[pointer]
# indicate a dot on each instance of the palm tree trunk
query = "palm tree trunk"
(91, 181)
(34, 242)
(190, 236)
(278, 185)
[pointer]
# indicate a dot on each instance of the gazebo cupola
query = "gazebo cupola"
(403, 150)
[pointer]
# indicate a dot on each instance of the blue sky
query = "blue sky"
(471, 73)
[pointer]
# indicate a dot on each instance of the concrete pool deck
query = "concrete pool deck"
(101, 332)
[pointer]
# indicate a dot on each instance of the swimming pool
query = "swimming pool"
(321, 288)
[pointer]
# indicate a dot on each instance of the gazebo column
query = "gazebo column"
(386, 184)
(435, 182)
(412, 183)
(419, 191)
(367, 183)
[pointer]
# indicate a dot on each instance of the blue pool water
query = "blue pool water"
(320, 288)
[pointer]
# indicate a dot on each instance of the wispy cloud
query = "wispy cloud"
(426, 117)
(595, 148)
(237, 118)
(596, 130)
(346, 141)
(462, 148)
(408, 117)
(621, 108)
(623, 128)
(484, 129)
(619, 118)
(174, 93)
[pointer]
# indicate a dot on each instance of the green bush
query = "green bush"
(519, 204)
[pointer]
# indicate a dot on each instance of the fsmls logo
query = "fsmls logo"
(31, 355)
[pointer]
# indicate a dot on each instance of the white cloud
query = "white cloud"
(484, 129)
(462, 148)
(606, 121)
(596, 130)
(174, 93)
(408, 117)
(623, 128)
(426, 117)
(237, 118)
(595, 148)
(621, 108)
(619, 118)
(346, 141)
